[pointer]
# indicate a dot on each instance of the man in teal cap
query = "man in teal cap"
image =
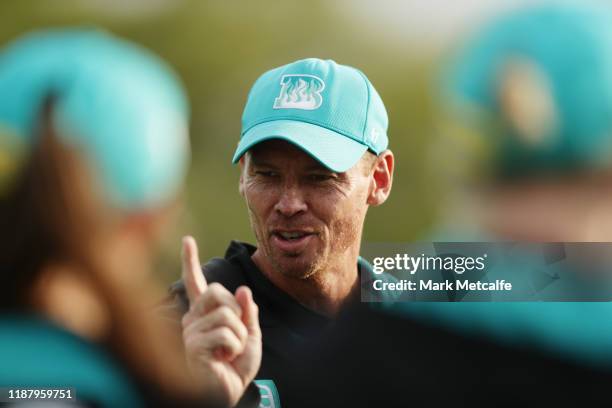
(531, 92)
(313, 158)
(529, 104)
(529, 100)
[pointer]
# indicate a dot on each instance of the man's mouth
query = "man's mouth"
(291, 241)
(292, 235)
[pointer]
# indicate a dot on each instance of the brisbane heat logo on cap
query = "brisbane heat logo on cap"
(300, 91)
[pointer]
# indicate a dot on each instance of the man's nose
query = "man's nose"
(291, 201)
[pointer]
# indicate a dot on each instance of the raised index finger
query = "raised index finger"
(194, 279)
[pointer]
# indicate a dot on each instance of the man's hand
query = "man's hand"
(220, 331)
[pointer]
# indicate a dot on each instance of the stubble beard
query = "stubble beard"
(285, 266)
(291, 267)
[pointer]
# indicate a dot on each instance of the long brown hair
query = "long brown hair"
(50, 215)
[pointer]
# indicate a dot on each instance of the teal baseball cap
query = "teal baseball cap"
(330, 111)
(118, 104)
(560, 59)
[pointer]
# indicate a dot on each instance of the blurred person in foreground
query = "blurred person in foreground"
(535, 86)
(313, 159)
(93, 151)
(527, 116)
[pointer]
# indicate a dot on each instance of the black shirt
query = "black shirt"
(368, 357)
(286, 325)
(373, 358)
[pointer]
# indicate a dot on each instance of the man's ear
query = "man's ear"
(382, 178)
(242, 164)
(527, 102)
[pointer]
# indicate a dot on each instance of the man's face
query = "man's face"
(304, 216)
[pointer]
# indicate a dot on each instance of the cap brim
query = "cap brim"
(333, 150)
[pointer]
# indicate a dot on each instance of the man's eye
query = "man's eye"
(266, 173)
(320, 177)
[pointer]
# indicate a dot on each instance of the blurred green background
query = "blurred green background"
(219, 48)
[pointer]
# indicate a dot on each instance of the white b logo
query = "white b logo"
(300, 91)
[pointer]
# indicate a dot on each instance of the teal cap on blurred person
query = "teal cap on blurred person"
(536, 87)
(117, 103)
(330, 111)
